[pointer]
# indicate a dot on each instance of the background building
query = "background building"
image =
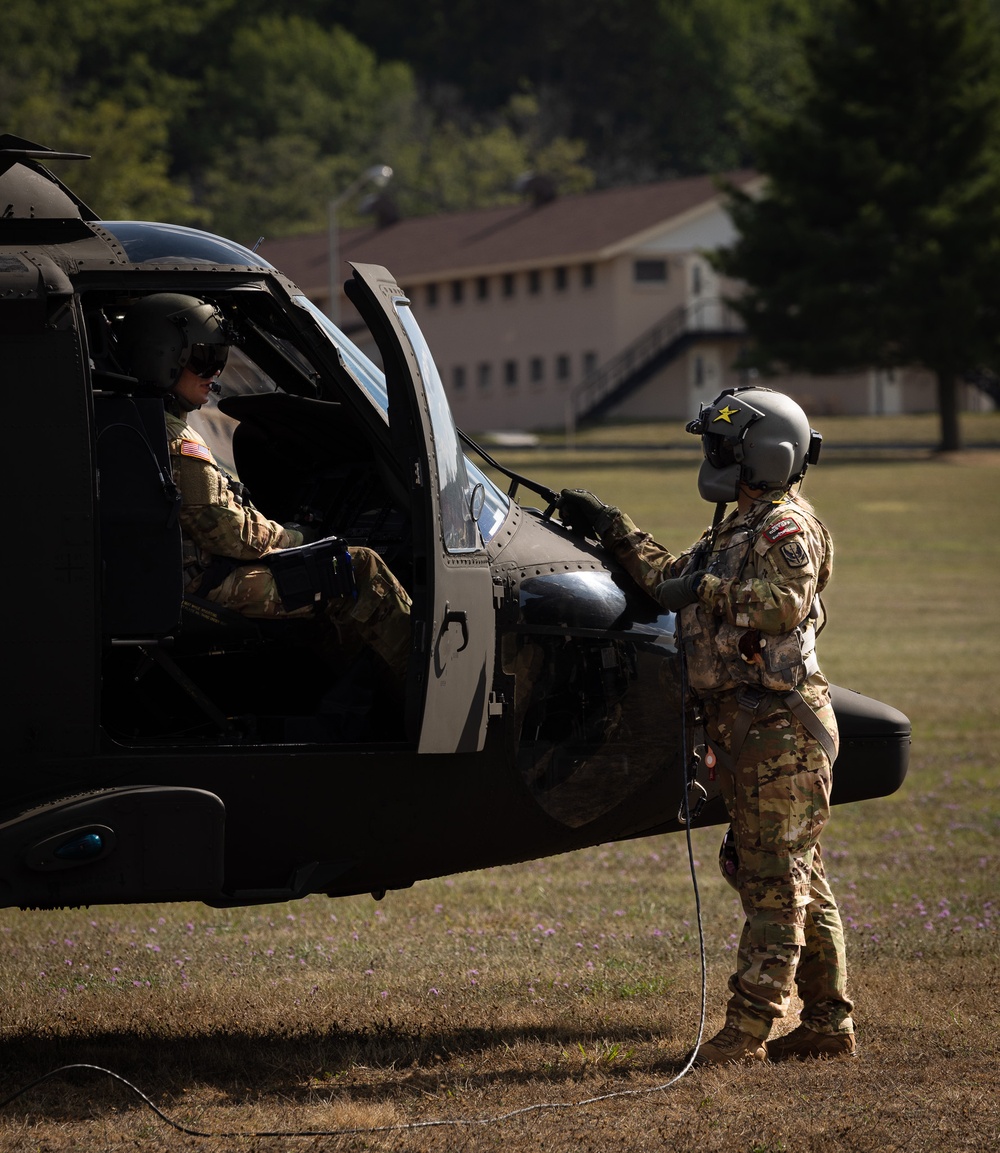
(561, 310)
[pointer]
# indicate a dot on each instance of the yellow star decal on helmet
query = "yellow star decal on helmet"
(726, 414)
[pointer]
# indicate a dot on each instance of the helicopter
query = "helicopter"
(161, 751)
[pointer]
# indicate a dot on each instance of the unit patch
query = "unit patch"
(794, 554)
(787, 526)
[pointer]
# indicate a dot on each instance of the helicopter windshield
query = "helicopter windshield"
(146, 242)
(468, 496)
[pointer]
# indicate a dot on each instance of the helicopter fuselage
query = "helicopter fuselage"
(165, 748)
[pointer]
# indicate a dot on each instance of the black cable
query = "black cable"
(454, 1122)
(461, 1121)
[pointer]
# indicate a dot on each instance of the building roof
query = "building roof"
(568, 229)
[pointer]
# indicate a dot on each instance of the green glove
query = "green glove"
(579, 510)
(678, 592)
(306, 531)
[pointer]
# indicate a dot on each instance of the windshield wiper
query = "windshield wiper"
(515, 478)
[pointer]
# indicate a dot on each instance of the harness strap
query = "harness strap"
(749, 701)
(212, 575)
(810, 722)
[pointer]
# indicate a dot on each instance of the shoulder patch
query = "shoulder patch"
(794, 554)
(195, 449)
(779, 529)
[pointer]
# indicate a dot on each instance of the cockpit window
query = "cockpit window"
(456, 492)
(468, 483)
(368, 375)
(145, 242)
(242, 376)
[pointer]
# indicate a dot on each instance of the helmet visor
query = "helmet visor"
(207, 360)
(720, 451)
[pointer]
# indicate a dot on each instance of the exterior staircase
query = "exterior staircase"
(610, 383)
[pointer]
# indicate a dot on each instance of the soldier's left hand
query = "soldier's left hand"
(678, 592)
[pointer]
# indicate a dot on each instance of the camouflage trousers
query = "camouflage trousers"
(379, 617)
(778, 799)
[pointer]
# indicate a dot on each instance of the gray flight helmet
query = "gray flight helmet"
(165, 333)
(753, 436)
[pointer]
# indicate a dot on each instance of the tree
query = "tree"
(877, 240)
(651, 86)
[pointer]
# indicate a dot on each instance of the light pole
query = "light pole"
(379, 175)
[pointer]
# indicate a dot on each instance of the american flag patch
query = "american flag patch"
(193, 448)
(780, 529)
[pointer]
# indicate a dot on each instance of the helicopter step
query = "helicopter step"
(133, 844)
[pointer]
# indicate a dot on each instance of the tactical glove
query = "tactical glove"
(306, 531)
(678, 592)
(579, 510)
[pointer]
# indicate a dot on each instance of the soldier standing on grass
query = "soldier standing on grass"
(747, 599)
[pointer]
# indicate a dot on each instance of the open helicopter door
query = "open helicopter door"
(454, 632)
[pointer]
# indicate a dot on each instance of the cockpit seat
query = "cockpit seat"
(139, 505)
(205, 624)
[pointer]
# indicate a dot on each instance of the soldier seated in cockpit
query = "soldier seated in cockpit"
(178, 345)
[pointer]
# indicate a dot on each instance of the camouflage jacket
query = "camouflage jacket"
(216, 519)
(758, 607)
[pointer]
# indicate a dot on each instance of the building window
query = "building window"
(482, 288)
(650, 271)
(484, 374)
(589, 363)
(508, 284)
(457, 291)
(562, 278)
(432, 295)
(562, 366)
(510, 373)
(534, 282)
(536, 370)
(458, 377)
(699, 372)
(587, 275)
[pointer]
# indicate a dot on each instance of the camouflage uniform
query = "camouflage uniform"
(749, 638)
(217, 521)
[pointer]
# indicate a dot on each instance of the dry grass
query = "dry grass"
(558, 981)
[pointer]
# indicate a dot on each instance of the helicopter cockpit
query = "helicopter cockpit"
(311, 441)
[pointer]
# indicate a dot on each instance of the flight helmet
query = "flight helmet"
(167, 332)
(755, 436)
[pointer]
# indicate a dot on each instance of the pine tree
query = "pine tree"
(877, 239)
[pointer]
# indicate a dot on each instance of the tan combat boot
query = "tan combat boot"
(731, 1046)
(804, 1042)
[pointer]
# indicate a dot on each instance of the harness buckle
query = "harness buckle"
(749, 697)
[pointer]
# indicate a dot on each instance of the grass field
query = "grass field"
(563, 980)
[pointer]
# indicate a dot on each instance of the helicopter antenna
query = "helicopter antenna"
(15, 150)
(515, 477)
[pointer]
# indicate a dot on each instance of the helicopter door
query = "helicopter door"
(453, 619)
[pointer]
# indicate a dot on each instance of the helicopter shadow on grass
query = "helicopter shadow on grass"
(378, 1065)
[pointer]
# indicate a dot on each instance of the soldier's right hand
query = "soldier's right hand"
(579, 510)
(306, 531)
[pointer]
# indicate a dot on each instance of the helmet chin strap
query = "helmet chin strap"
(180, 404)
(720, 512)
